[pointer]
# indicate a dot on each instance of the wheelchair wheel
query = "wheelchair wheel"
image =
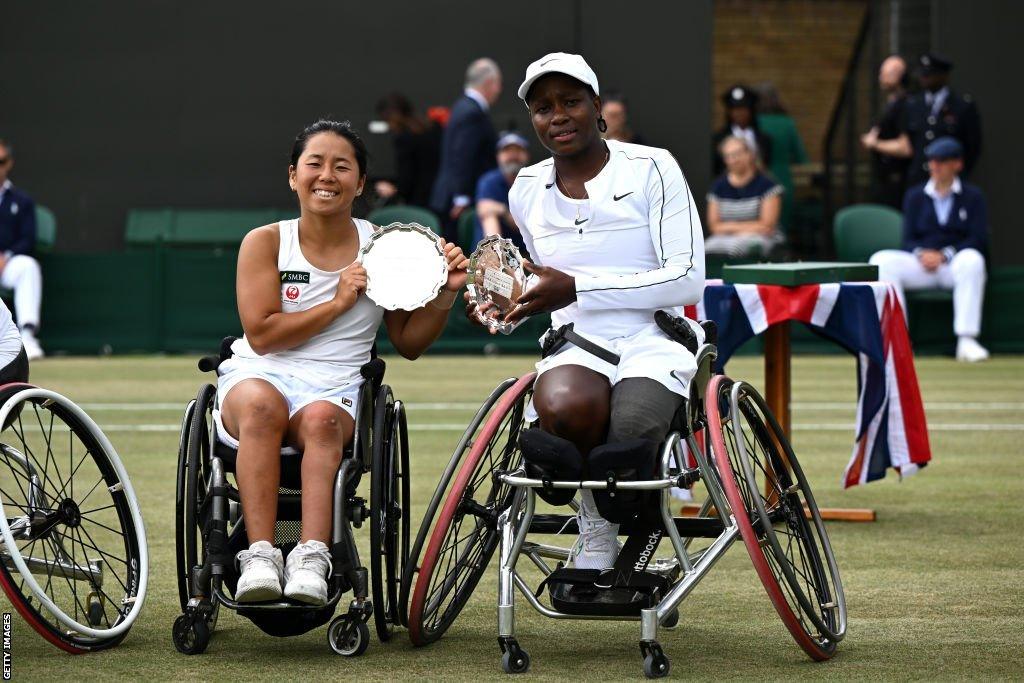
(74, 556)
(191, 504)
(389, 511)
(777, 515)
(465, 535)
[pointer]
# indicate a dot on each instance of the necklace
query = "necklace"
(564, 188)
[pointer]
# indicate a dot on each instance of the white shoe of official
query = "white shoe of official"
(968, 350)
(597, 546)
(262, 568)
(306, 573)
(31, 344)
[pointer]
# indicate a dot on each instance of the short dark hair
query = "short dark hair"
(340, 128)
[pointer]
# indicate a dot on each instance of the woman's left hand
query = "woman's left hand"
(457, 264)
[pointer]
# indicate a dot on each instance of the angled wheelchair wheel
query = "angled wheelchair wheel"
(777, 515)
(464, 537)
(192, 506)
(389, 511)
(74, 557)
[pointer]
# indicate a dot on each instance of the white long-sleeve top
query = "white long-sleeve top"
(636, 247)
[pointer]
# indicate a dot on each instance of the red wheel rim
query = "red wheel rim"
(750, 540)
(466, 471)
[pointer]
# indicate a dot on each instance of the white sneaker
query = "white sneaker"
(31, 344)
(597, 546)
(306, 573)
(262, 568)
(968, 350)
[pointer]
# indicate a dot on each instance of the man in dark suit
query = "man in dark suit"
(945, 239)
(938, 112)
(467, 148)
(18, 270)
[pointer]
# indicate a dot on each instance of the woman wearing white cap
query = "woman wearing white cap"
(614, 235)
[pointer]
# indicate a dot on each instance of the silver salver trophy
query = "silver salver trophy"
(496, 279)
(405, 266)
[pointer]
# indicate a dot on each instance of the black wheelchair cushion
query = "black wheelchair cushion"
(291, 465)
(547, 456)
(632, 460)
(582, 591)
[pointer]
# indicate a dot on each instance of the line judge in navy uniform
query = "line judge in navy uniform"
(18, 270)
(936, 112)
(467, 148)
(945, 239)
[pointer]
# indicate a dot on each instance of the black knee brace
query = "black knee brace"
(550, 458)
(632, 460)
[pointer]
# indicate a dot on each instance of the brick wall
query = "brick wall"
(802, 46)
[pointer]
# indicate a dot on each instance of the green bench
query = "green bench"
(196, 227)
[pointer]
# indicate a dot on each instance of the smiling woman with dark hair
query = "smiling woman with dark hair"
(294, 378)
(614, 236)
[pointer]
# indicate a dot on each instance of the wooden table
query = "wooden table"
(777, 355)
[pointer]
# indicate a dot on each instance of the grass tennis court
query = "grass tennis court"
(935, 586)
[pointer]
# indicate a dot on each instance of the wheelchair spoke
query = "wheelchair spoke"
(29, 453)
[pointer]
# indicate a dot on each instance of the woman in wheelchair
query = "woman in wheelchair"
(293, 380)
(614, 236)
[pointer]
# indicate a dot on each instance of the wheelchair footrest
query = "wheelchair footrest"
(583, 591)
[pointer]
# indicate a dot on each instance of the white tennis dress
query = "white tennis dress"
(326, 366)
(10, 338)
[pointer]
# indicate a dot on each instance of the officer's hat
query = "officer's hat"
(943, 149)
(931, 63)
(739, 96)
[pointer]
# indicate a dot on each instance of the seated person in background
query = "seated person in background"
(492, 216)
(417, 146)
(615, 112)
(743, 206)
(945, 234)
(18, 270)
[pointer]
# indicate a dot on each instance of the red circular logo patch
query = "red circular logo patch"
(292, 292)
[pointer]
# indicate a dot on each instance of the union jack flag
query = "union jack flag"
(866, 319)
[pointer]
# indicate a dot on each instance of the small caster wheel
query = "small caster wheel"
(515, 661)
(672, 621)
(94, 609)
(656, 665)
(191, 635)
(348, 637)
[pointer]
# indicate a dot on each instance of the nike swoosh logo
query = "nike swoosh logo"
(582, 221)
(621, 196)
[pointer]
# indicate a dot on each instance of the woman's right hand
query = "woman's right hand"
(474, 313)
(351, 285)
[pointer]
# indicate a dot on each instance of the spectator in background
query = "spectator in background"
(938, 112)
(945, 237)
(615, 111)
(19, 271)
(492, 215)
(417, 146)
(743, 206)
(467, 148)
(890, 149)
(786, 145)
(740, 102)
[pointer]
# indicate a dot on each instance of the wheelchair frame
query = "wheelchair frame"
(725, 516)
(348, 634)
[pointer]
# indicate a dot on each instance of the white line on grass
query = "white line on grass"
(458, 427)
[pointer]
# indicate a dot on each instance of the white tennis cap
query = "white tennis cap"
(560, 63)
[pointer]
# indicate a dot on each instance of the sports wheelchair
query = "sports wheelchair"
(73, 554)
(723, 436)
(210, 530)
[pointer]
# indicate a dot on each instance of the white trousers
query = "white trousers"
(22, 274)
(964, 274)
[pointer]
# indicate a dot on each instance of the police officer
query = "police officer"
(937, 111)
(740, 106)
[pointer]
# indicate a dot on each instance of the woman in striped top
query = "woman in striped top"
(743, 206)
